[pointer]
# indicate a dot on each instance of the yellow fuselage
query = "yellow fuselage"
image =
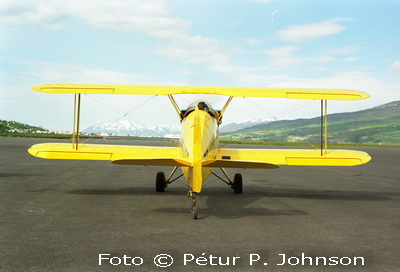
(199, 142)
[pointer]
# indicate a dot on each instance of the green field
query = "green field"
(376, 126)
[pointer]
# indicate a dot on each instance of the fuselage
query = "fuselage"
(199, 142)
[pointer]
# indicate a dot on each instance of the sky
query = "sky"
(343, 44)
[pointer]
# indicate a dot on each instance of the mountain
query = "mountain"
(126, 127)
(379, 125)
(243, 124)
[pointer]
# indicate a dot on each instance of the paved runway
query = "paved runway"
(61, 215)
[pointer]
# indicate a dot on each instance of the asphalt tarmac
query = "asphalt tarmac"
(58, 215)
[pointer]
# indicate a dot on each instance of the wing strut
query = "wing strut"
(224, 108)
(324, 127)
(176, 107)
(77, 120)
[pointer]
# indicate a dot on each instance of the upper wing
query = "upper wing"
(293, 93)
(118, 154)
(271, 158)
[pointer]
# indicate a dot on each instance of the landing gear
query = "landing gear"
(237, 184)
(193, 208)
(161, 182)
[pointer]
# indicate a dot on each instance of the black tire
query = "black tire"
(238, 184)
(160, 182)
(194, 212)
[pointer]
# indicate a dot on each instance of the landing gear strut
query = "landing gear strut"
(193, 208)
(236, 184)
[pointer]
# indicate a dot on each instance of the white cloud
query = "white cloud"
(29, 12)
(332, 54)
(145, 17)
(283, 51)
(149, 17)
(262, 1)
(67, 73)
(283, 56)
(350, 59)
(344, 50)
(194, 49)
(187, 72)
(225, 68)
(325, 58)
(299, 33)
(253, 41)
(396, 65)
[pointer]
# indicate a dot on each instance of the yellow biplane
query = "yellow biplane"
(199, 151)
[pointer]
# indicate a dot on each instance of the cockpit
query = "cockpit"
(202, 105)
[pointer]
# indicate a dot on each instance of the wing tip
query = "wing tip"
(33, 151)
(364, 95)
(37, 88)
(366, 158)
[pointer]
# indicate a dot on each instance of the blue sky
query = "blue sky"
(258, 43)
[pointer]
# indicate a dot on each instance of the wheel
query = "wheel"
(238, 184)
(160, 182)
(194, 212)
(193, 208)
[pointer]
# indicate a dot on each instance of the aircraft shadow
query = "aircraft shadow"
(231, 206)
(7, 175)
(222, 203)
(327, 194)
(142, 191)
(232, 212)
(216, 202)
(261, 192)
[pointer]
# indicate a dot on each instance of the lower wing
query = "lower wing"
(226, 157)
(118, 154)
(272, 158)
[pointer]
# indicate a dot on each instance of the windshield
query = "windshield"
(202, 105)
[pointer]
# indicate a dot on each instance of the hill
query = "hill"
(7, 127)
(243, 124)
(379, 125)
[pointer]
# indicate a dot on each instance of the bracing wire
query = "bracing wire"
(141, 104)
(258, 106)
(295, 108)
(105, 103)
(286, 112)
(118, 110)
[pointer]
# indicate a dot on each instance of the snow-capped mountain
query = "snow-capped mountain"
(244, 124)
(126, 127)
